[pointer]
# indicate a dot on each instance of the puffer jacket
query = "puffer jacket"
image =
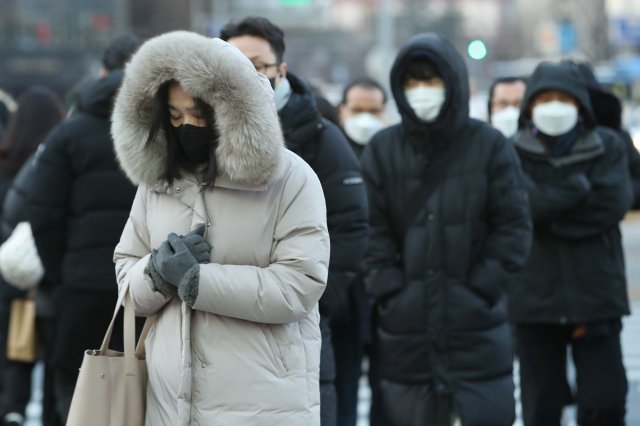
(438, 280)
(575, 272)
(322, 145)
(248, 351)
(75, 196)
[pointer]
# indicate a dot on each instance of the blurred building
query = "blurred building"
(328, 41)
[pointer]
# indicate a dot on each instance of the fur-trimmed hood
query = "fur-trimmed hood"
(251, 142)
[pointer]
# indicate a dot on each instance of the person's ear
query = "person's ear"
(282, 71)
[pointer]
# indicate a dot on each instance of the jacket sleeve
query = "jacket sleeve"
(549, 201)
(47, 185)
(290, 286)
(339, 172)
(385, 275)
(609, 199)
(509, 228)
(132, 257)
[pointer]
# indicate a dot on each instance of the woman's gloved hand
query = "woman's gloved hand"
(197, 245)
(173, 259)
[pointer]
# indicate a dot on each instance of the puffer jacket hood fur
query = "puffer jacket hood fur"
(220, 75)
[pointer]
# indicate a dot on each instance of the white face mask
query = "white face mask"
(506, 120)
(554, 118)
(361, 127)
(281, 94)
(425, 101)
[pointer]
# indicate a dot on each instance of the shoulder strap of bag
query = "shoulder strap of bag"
(129, 326)
(432, 178)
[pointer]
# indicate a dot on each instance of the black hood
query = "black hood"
(451, 67)
(607, 108)
(563, 77)
(99, 96)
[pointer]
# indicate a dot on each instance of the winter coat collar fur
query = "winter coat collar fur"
(210, 69)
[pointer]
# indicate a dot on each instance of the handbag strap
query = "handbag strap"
(130, 349)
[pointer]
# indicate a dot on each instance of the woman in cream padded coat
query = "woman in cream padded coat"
(238, 343)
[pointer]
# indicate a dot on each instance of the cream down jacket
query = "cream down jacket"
(248, 351)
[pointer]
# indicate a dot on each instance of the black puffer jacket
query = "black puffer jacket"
(575, 272)
(438, 281)
(77, 198)
(322, 144)
(607, 110)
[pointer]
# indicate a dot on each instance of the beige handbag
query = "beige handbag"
(111, 387)
(21, 340)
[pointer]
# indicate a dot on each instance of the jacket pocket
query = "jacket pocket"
(276, 351)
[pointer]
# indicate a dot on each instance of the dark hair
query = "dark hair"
(39, 110)
(501, 80)
(175, 160)
(419, 68)
(367, 83)
(119, 51)
(257, 26)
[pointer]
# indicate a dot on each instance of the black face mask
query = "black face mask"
(195, 142)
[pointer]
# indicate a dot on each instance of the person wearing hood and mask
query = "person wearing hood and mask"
(450, 226)
(505, 96)
(226, 242)
(77, 201)
(572, 291)
(323, 146)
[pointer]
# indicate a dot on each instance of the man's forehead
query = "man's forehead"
(511, 88)
(254, 48)
(362, 94)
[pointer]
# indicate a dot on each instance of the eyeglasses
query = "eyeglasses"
(262, 68)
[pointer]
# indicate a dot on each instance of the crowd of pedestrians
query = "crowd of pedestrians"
(280, 245)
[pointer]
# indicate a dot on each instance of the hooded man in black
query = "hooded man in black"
(450, 225)
(572, 290)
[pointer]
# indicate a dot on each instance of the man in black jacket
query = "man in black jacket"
(450, 226)
(607, 110)
(322, 145)
(78, 201)
(572, 290)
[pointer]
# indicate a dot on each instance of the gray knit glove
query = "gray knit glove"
(173, 259)
(174, 265)
(195, 242)
(159, 283)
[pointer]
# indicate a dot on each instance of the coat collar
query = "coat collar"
(588, 146)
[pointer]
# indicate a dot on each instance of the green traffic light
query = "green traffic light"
(477, 50)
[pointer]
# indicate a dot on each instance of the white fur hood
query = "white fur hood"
(251, 140)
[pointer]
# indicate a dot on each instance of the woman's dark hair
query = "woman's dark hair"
(175, 160)
(39, 110)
